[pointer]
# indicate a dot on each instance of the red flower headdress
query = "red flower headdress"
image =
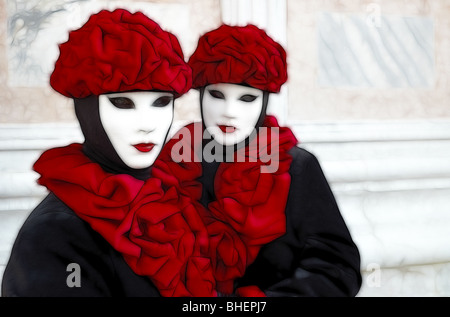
(120, 51)
(239, 55)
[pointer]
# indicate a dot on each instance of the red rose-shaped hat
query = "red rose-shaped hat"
(119, 51)
(239, 55)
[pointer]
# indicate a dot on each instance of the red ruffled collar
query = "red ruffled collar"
(156, 229)
(159, 225)
(249, 209)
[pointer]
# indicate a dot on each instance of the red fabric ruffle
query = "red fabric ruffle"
(119, 51)
(159, 225)
(249, 210)
(158, 231)
(254, 57)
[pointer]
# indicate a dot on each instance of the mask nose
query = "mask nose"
(145, 121)
(146, 130)
(231, 110)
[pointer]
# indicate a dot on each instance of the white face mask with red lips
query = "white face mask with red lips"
(231, 111)
(137, 124)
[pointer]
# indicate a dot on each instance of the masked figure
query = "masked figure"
(282, 232)
(113, 223)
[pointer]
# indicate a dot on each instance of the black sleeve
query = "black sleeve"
(316, 256)
(46, 244)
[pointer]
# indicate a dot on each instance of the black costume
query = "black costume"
(316, 256)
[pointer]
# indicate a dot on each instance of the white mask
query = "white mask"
(231, 111)
(137, 124)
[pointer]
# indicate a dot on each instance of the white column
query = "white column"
(271, 16)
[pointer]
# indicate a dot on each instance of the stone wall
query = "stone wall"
(368, 60)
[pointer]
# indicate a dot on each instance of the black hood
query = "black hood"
(97, 145)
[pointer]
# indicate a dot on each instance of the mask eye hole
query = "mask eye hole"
(122, 103)
(216, 94)
(162, 101)
(248, 98)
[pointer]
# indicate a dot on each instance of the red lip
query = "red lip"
(144, 147)
(227, 128)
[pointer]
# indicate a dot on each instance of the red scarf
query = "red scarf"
(250, 205)
(157, 230)
(160, 227)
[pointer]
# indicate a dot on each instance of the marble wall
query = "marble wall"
(392, 184)
(368, 60)
(387, 52)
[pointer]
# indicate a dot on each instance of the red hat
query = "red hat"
(119, 51)
(239, 55)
